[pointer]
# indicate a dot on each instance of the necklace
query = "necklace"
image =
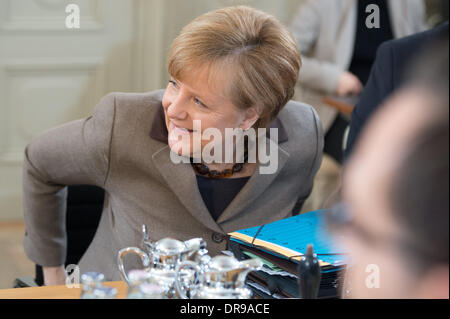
(202, 169)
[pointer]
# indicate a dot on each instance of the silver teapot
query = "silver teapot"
(161, 258)
(223, 277)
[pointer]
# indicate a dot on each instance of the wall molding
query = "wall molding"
(93, 69)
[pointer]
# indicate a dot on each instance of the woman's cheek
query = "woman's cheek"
(166, 99)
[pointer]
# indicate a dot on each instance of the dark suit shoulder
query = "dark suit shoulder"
(413, 42)
(387, 74)
(404, 50)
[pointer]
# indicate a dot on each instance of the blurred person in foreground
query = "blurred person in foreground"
(394, 217)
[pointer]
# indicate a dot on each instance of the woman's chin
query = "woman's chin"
(177, 148)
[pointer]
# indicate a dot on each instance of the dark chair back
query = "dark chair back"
(84, 209)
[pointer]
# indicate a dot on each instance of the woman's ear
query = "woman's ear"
(251, 115)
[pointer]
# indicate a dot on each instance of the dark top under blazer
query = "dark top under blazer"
(114, 149)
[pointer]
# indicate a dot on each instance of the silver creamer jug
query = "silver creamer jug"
(222, 278)
(161, 258)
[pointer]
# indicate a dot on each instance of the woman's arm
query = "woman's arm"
(73, 153)
(314, 73)
(54, 275)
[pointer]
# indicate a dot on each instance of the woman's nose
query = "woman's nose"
(178, 108)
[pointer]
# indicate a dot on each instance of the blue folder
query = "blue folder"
(295, 233)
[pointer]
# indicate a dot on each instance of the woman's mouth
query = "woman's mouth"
(179, 130)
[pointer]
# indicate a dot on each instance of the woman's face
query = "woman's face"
(193, 99)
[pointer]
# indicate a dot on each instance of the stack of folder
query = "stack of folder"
(280, 246)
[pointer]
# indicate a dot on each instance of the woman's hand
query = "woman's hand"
(54, 275)
(348, 84)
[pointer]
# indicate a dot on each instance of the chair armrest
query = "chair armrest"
(23, 282)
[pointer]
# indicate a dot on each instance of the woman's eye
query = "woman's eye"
(174, 84)
(198, 102)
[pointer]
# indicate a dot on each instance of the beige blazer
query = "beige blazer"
(325, 33)
(123, 148)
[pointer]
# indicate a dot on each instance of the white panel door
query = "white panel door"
(51, 74)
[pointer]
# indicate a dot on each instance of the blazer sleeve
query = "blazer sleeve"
(316, 160)
(305, 27)
(378, 87)
(73, 153)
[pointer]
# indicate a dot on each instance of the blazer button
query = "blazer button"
(217, 238)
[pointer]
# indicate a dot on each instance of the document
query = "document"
(288, 238)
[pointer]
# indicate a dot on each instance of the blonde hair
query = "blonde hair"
(254, 47)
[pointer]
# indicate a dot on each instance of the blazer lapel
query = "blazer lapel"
(182, 181)
(255, 186)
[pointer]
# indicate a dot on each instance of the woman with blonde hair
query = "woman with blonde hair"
(234, 68)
